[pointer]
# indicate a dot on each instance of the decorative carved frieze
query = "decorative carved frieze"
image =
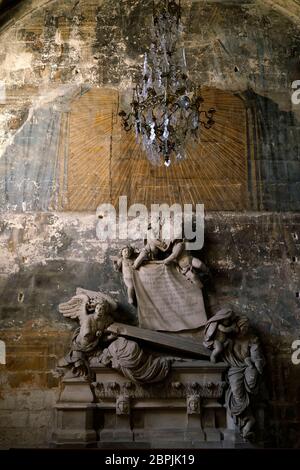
(111, 390)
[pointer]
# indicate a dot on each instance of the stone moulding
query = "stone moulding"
(173, 387)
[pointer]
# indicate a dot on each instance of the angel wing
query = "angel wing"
(97, 296)
(75, 307)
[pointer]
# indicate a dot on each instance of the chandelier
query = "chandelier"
(166, 105)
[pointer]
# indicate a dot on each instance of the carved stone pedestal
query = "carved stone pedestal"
(185, 411)
(74, 426)
(75, 415)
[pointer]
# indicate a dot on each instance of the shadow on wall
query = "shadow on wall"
(273, 155)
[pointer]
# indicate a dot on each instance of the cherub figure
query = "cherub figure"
(150, 252)
(124, 264)
(154, 246)
(166, 251)
(217, 332)
(186, 264)
(94, 316)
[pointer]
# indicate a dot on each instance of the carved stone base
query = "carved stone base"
(185, 411)
(76, 390)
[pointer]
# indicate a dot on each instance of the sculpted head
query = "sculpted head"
(193, 404)
(102, 308)
(122, 405)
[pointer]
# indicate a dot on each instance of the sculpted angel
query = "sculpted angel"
(124, 264)
(93, 344)
(172, 251)
(186, 264)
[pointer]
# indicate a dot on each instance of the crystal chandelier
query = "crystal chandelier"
(166, 105)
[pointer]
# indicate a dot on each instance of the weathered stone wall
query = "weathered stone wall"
(53, 52)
